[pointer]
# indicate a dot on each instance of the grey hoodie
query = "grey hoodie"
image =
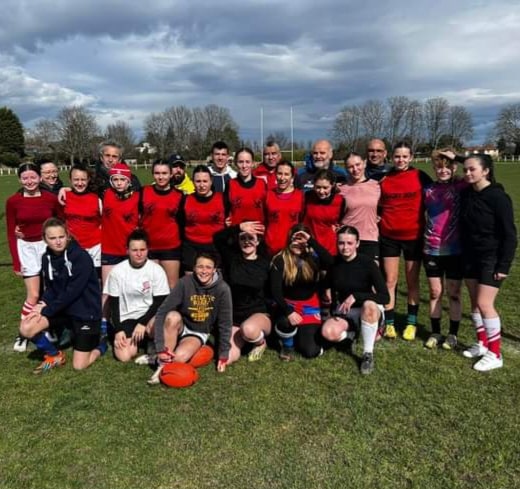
(202, 307)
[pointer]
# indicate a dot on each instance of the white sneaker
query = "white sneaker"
(489, 362)
(476, 350)
(155, 378)
(20, 344)
(145, 360)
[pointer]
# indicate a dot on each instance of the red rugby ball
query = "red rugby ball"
(177, 374)
(202, 357)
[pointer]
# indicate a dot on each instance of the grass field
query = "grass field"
(424, 419)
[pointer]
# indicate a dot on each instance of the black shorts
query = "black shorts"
(481, 270)
(107, 259)
(449, 266)
(411, 249)
(240, 316)
(173, 254)
(85, 335)
(369, 248)
(190, 252)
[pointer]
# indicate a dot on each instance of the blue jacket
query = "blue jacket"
(71, 285)
(305, 176)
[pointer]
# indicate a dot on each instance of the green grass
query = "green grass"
(424, 419)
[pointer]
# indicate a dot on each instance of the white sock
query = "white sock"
(368, 333)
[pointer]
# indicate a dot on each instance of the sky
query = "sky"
(126, 59)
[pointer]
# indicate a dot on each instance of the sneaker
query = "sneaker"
(156, 376)
(433, 341)
(256, 353)
(409, 332)
(390, 332)
(476, 350)
(145, 360)
(488, 362)
(450, 343)
(50, 362)
(367, 363)
(20, 344)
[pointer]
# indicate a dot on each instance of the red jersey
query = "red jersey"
(120, 218)
(160, 214)
(83, 216)
(204, 216)
(283, 211)
(322, 216)
(267, 174)
(246, 200)
(28, 213)
(401, 204)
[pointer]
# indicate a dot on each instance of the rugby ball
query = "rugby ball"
(177, 374)
(202, 357)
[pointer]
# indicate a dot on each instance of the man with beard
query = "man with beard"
(180, 179)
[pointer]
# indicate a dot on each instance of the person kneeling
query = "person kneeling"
(199, 302)
(359, 292)
(136, 288)
(71, 298)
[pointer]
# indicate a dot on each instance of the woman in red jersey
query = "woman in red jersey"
(120, 217)
(324, 209)
(401, 229)
(82, 211)
(246, 193)
(160, 205)
(204, 214)
(25, 213)
(362, 199)
(283, 208)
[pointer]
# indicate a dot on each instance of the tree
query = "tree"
(346, 128)
(43, 138)
(156, 128)
(436, 111)
(507, 125)
(460, 125)
(76, 130)
(373, 115)
(121, 132)
(11, 132)
(397, 118)
(180, 120)
(414, 123)
(280, 138)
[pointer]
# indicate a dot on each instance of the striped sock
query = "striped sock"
(411, 317)
(493, 327)
(26, 309)
(476, 319)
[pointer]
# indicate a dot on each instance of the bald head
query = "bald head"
(322, 154)
(376, 152)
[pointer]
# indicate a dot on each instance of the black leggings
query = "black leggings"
(307, 338)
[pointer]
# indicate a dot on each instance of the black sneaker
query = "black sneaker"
(367, 363)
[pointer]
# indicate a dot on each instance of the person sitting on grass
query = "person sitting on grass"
(135, 288)
(358, 294)
(71, 298)
(199, 303)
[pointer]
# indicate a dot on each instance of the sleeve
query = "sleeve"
(172, 302)
(75, 286)
(276, 282)
(342, 209)
(425, 179)
(160, 291)
(152, 310)
(112, 285)
(379, 293)
(225, 242)
(508, 237)
(224, 323)
(10, 220)
(115, 316)
(324, 257)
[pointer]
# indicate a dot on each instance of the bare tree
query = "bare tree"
(180, 120)
(397, 118)
(460, 125)
(76, 130)
(280, 138)
(373, 114)
(414, 123)
(436, 112)
(43, 137)
(121, 132)
(158, 134)
(507, 125)
(346, 128)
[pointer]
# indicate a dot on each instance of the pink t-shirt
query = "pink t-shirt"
(362, 199)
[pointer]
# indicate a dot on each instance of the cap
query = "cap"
(176, 160)
(120, 169)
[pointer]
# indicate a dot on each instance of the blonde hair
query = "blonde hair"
(439, 159)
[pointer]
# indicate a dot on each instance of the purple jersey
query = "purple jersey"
(442, 204)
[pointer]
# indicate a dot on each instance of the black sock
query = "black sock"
(436, 325)
(454, 327)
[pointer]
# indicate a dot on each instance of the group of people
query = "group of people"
(310, 255)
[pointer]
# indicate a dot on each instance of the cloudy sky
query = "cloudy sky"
(125, 59)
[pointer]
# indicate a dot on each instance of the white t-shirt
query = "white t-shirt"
(136, 287)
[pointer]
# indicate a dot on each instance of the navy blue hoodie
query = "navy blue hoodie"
(71, 285)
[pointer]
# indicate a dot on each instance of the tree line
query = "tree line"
(73, 135)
